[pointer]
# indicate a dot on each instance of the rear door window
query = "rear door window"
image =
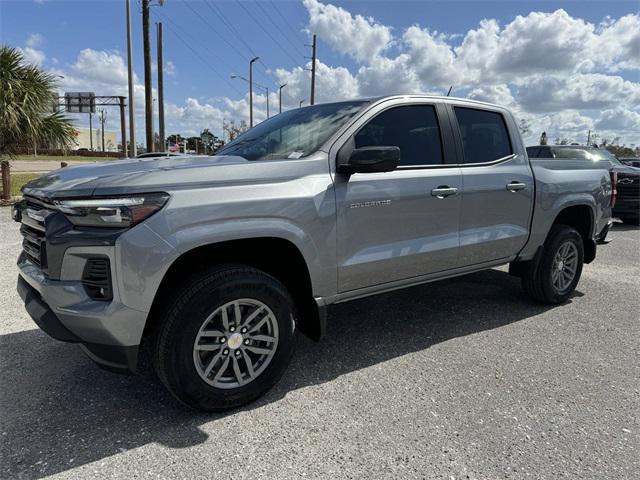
(485, 137)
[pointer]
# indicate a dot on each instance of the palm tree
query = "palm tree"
(26, 99)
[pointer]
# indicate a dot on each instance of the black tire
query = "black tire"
(631, 220)
(173, 354)
(538, 282)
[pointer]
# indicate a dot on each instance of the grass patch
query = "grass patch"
(60, 158)
(19, 179)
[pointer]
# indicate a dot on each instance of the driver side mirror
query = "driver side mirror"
(371, 160)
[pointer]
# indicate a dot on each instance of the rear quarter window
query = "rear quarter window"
(485, 137)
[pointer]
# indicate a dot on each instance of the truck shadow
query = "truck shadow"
(59, 411)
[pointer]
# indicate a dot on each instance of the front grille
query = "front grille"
(628, 186)
(33, 244)
(33, 232)
(96, 279)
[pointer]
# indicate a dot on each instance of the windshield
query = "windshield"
(292, 134)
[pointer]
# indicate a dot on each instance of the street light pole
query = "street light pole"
(267, 89)
(148, 101)
(280, 97)
(251, 91)
(132, 115)
(160, 89)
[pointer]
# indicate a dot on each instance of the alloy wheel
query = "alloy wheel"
(565, 264)
(235, 343)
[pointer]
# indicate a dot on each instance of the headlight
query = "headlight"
(117, 212)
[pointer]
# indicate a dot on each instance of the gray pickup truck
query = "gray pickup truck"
(200, 269)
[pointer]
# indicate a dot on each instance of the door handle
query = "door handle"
(444, 191)
(515, 186)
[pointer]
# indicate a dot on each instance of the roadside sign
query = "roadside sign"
(80, 102)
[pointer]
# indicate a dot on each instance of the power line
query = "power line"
(213, 28)
(234, 31)
(268, 33)
(268, 15)
(202, 59)
(293, 29)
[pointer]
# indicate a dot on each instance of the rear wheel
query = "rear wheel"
(226, 339)
(559, 269)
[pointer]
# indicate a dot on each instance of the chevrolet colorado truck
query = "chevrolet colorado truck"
(200, 269)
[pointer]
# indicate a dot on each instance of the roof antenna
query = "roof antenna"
(449, 92)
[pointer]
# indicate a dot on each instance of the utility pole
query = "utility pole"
(160, 89)
(153, 128)
(123, 128)
(102, 125)
(132, 115)
(313, 70)
(90, 130)
(251, 91)
(148, 101)
(589, 138)
(280, 97)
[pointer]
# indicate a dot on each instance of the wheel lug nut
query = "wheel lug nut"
(225, 352)
(237, 353)
(232, 329)
(247, 342)
(244, 330)
(222, 340)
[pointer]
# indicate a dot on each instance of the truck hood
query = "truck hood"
(628, 170)
(136, 175)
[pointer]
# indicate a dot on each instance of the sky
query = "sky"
(561, 67)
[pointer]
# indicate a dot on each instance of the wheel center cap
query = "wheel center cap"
(560, 265)
(235, 340)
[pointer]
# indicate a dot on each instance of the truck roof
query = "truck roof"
(417, 95)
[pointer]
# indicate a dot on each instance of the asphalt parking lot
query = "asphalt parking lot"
(461, 379)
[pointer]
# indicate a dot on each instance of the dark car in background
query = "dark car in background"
(627, 204)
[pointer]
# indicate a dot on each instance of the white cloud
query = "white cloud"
(620, 120)
(170, 68)
(619, 43)
(357, 36)
(431, 57)
(499, 94)
(34, 40)
(385, 76)
(33, 55)
(592, 91)
(102, 66)
(332, 83)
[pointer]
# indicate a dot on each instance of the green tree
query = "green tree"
(543, 138)
(525, 127)
(26, 116)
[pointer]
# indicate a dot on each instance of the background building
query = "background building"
(83, 140)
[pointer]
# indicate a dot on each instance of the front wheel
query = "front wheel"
(559, 269)
(226, 339)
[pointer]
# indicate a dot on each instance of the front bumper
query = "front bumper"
(626, 208)
(108, 331)
(601, 239)
(114, 357)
